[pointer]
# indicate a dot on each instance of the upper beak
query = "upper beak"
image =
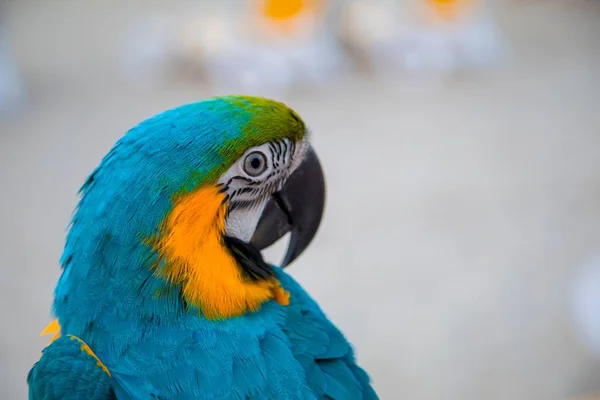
(296, 208)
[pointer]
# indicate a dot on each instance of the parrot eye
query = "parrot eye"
(255, 164)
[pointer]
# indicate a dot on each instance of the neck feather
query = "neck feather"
(191, 244)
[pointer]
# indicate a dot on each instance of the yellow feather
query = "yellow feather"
(52, 328)
(191, 244)
(85, 348)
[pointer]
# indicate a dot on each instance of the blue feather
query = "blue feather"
(66, 372)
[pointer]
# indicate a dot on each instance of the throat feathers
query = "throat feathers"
(193, 255)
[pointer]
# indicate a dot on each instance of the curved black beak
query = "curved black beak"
(297, 208)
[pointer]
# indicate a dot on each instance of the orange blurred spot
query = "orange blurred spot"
(449, 9)
(283, 9)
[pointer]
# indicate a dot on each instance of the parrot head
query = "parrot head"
(179, 210)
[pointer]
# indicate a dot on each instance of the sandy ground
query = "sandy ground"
(455, 219)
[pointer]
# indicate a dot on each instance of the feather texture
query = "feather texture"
(279, 352)
(65, 371)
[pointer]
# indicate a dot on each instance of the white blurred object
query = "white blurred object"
(586, 304)
(431, 36)
(260, 54)
(12, 95)
(242, 49)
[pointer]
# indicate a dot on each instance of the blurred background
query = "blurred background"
(460, 250)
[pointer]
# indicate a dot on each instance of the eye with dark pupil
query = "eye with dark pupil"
(255, 163)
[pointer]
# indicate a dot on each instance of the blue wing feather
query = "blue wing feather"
(326, 356)
(66, 372)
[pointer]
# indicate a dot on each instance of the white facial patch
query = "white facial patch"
(242, 223)
(253, 178)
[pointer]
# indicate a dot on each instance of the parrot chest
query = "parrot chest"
(246, 357)
(277, 352)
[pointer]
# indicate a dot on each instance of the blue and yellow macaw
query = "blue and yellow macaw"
(164, 293)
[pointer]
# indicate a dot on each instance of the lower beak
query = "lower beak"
(297, 208)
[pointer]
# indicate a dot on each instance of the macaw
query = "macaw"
(164, 293)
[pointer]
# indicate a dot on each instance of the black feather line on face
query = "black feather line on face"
(258, 193)
(277, 149)
(249, 259)
(286, 149)
(242, 205)
(225, 200)
(241, 178)
(272, 151)
(246, 190)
